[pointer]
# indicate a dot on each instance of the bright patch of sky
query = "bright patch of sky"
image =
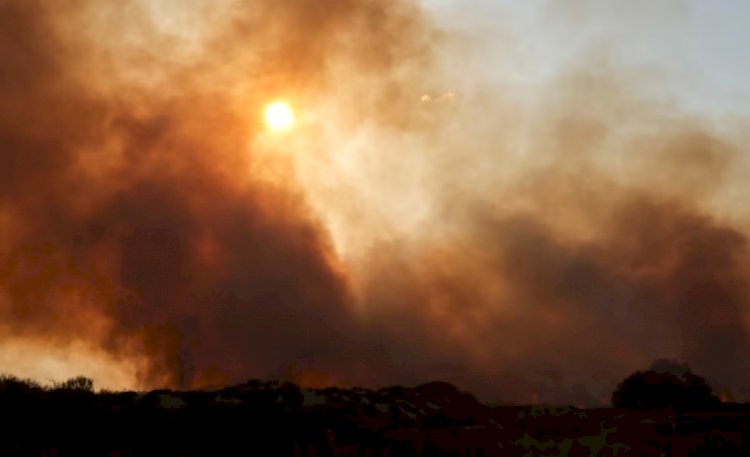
(697, 52)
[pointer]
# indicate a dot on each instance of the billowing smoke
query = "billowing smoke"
(526, 248)
(137, 214)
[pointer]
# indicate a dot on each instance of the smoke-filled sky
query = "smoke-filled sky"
(530, 202)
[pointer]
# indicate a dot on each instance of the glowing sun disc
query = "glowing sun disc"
(279, 116)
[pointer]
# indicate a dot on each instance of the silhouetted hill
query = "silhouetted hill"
(280, 419)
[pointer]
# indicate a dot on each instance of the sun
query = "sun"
(279, 116)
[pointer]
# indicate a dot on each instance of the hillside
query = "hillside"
(273, 418)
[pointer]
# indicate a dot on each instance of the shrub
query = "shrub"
(14, 385)
(79, 383)
(658, 390)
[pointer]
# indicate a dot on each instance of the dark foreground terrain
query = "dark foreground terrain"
(280, 419)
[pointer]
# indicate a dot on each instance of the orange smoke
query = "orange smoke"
(150, 225)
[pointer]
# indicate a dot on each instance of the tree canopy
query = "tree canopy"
(653, 389)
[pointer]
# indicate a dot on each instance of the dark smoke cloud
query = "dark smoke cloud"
(131, 206)
(661, 280)
(142, 209)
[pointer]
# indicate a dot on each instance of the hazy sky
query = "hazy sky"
(696, 49)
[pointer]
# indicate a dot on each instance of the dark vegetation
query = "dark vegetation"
(655, 414)
(655, 390)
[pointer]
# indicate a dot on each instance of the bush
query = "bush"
(659, 390)
(79, 383)
(13, 385)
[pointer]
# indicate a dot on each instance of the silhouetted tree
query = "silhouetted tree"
(658, 390)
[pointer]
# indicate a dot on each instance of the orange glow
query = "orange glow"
(46, 363)
(279, 116)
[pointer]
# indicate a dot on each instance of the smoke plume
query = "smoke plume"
(420, 222)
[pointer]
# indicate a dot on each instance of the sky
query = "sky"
(530, 200)
(694, 47)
